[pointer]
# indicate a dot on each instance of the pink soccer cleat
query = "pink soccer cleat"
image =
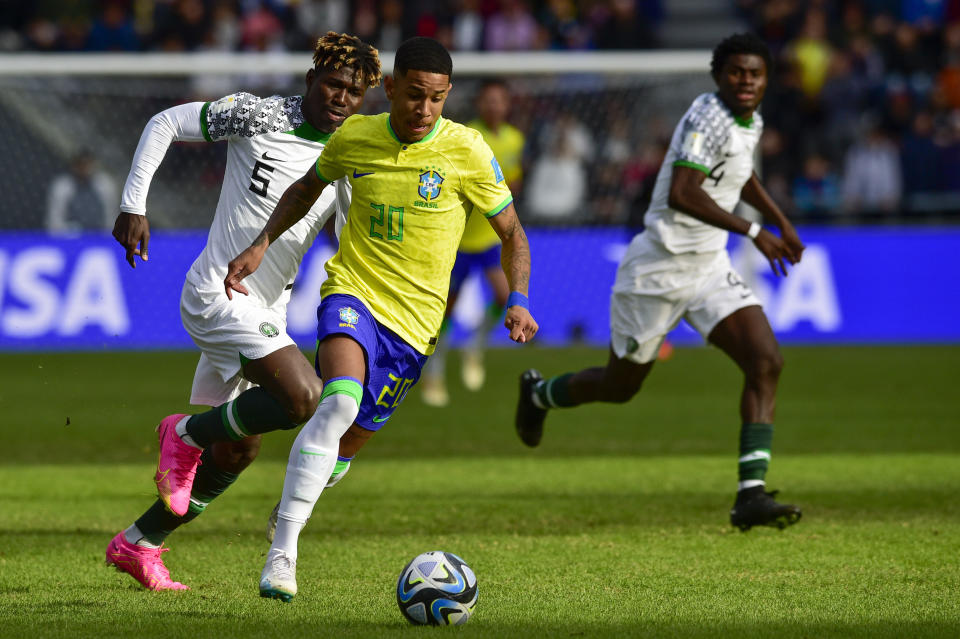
(176, 467)
(143, 564)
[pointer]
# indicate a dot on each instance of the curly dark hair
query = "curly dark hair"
(335, 50)
(740, 43)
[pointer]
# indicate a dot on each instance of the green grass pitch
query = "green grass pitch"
(617, 526)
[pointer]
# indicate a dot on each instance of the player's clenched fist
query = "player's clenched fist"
(521, 324)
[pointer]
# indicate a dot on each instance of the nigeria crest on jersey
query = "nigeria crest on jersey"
(268, 330)
(430, 184)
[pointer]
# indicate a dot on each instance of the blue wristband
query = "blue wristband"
(518, 299)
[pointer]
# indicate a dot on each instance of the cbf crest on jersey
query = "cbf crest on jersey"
(348, 317)
(431, 181)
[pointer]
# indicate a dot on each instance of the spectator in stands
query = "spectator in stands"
(512, 28)
(779, 168)
(784, 106)
(563, 28)
(853, 24)
(909, 61)
(391, 33)
(81, 199)
(577, 139)
(872, 181)
(467, 26)
(181, 25)
(224, 34)
(948, 78)
(919, 159)
(557, 187)
(113, 29)
(816, 192)
(843, 97)
(811, 51)
(947, 139)
(624, 27)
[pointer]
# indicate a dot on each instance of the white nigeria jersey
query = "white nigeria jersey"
(709, 138)
(271, 145)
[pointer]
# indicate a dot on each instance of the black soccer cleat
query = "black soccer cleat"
(530, 418)
(756, 507)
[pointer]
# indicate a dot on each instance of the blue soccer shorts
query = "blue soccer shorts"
(393, 366)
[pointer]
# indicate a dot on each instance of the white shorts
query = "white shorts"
(226, 331)
(655, 289)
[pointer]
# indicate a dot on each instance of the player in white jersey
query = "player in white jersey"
(250, 371)
(679, 269)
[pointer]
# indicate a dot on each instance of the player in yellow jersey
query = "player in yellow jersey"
(480, 246)
(416, 177)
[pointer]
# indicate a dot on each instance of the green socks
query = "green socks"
(157, 523)
(553, 392)
(755, 443)
(253, 412)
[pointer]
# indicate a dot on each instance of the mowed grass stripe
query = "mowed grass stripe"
(103, 407)
(590, 546)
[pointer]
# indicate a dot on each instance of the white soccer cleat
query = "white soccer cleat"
(433, 391)
(472, 370)
(279, 577)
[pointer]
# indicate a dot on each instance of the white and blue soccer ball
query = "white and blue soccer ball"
(437, 588)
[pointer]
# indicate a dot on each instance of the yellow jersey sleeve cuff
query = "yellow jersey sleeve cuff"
(320, 175)
(499, 208)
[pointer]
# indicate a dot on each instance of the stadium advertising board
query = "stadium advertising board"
(855, 285)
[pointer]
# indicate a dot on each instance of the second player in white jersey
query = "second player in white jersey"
(678, 268)
(709, 138)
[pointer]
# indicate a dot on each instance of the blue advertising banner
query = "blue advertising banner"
(855, 286)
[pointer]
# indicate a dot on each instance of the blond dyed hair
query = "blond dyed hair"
(337, 50)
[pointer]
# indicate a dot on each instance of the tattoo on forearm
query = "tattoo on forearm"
(516, 258)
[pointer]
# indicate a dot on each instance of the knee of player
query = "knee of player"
(335, 414)
(302, 402)
(344, 406)
(768, 364)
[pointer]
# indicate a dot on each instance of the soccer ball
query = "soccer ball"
(437, 588)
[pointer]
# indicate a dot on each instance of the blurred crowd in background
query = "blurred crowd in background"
(862, 115)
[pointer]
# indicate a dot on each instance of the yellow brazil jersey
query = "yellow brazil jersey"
(507, 145)
(409, 206)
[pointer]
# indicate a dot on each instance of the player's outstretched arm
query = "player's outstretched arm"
(176, 124)
(687, 195)
(515, 260)
(293, 205)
